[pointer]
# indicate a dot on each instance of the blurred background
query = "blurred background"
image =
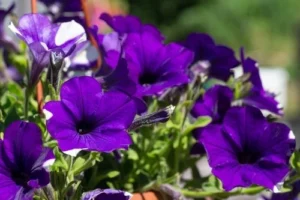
(269, 30)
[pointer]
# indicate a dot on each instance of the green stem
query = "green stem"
(70, 176)
(26, 102)
(200, 194)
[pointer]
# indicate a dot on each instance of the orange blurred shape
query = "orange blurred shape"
(97, 7)
(144, 196)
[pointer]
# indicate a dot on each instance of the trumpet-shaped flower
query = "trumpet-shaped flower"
(42, 37)
(247, 149)
(154, 66)
(22, 161)
(86, 118)
(213, 60)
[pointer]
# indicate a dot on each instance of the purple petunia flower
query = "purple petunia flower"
(214, 103)
(258, 96)
(153, 66)
(247, 149)
(107, 194)
(43, 37)
(22, 161)
(87, 118)
(129, 24)
(214, 60)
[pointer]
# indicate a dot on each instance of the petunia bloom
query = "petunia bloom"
(215, 61)
(22, 161)
(43, 37)
(247, 149)
(154, 66)
(107, 194)
(215, 102)
(86, 118)
(258, 96)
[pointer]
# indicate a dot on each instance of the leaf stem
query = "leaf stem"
(200, 194)
(26, 102)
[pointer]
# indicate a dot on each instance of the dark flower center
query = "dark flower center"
(248, 157)
(20, 178)
(147, 78)
(84, 127)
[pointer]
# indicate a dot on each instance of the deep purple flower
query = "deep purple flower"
(22, 161)
(129, 24)
(111, 44)
(258, 96)
(214, 60)
(6, 42)
(87, 118)
(215, 102)
(43, 37)
(107, 194)
(247, 149)
(154, 66)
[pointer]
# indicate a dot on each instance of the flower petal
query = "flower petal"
(106, 194)
(68, 34)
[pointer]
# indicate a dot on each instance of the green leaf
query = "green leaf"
(113, 174)
(295, 161)
(132, 154)
(60, 162)
(58, 180)
(53, 94)
(16, 90)
(11, 116)
(85, 162)
(200, 122)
